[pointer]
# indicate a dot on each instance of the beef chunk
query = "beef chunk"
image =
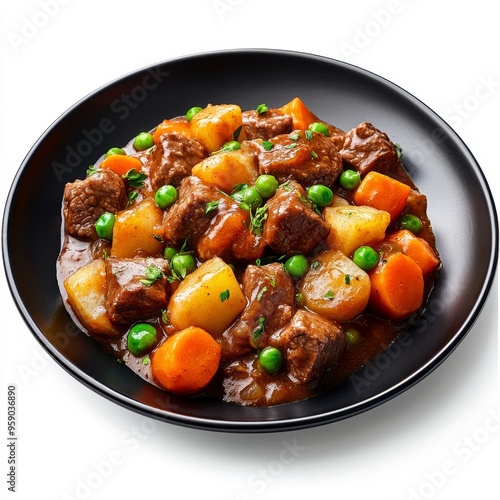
(220, 229)
(312, 345)
(271, 296)
(367, 148)
(266, 125)
(188, 217)
(137, 288)
(292, 225)
(172, 159)
(86, 200)
(308, 159)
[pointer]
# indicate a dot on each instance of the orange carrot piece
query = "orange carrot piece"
(417, 249)
(176, 126)
(382, 192)
(187, 361)
(121, 164)
(397, 287)
(301, 115)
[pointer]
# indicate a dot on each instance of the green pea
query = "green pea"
(141, 338)
(271, 359)
(365, 257)
(251, 197)
(143, 141)
(410, 222)
(166, 196)
(191, 112)
(183, 264)
(266, 185)
(320, 194)
(350, 179)
(104, 226)
(169, 252)
(352, 336)
(319, 127)
(114, 151)
(297, 266)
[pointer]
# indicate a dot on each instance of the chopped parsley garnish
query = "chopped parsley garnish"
(258, 332)
(291, 145)
(329, 295)
(237, 133)
(261, 293)
(267, 145)
(399, 150)
(313, 155)
(211, 206)
(91, 170)
(294, 136)
(135, 179)
(224, 295)
(347, 279)
(257, 219)
(261, 108)
(309, 134)
(152, 274)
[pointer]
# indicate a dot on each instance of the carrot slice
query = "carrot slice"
(121, 164)
(418, 249)
(176, 126)
(187, 361)
(397, 287)
(382, 192)
(301, 115)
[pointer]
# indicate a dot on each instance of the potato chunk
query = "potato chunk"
(215, 125)
(225, 170)
(335, 287)
(352, 226)
(86, 289)
(135, 229)
(210, 298)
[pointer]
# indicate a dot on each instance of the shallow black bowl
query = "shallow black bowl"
(436, 158)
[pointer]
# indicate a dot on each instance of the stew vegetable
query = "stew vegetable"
(256, 256)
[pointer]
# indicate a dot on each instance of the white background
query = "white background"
(440, 439)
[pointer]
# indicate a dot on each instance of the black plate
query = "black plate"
(436, 158)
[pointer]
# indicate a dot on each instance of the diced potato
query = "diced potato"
(353, 226)
(135, 230)
(210, 298)
(335, 287)
(225, 170)
(215, 125)
(86, 289)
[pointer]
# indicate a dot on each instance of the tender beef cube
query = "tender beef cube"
(271, 296)
(295, 157)
(86, 200)
(137, 288)
(188, 217)
(312, 345)
(172, 159)
(292, 225)
(367, 148)
(266, 125)
(221, 230)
